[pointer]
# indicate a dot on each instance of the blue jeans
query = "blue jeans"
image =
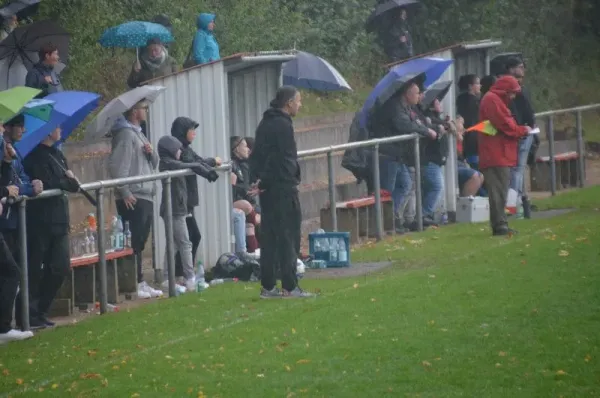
(517, 174)
(239, 230)
(395, 178)
(433, 186)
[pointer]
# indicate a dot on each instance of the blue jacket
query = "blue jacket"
(13, 173)
(206, 48)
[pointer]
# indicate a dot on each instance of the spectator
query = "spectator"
(275, 162)
(9, 23)
(398, 117)
(169, 150)
(467, 106)
(205, 47)
(48, 227)
(396, 38)
(42, 75)
(133, 155)
(244, 197)
(486, 83)
(470, 181)
(498, 153)
(184, 129)
(154, 61)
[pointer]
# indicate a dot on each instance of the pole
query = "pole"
(169, 236)
(331, 186)
(417, 182)
(101, 250)
(24, 268)
(580, 150)
(551, 151)
(377, 184)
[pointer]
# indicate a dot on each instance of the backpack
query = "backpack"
(240, 266)
(358, 160)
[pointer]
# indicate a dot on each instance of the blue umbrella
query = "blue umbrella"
(425, 70)
(70, 109)
(134, 34)
(314, 73)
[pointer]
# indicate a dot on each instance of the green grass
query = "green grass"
(459, 314)
(588, 198)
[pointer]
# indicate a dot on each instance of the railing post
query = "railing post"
(417, 182)
(377, 187)
(101, 250)
(169, 236)
(24, 287)
(551, 153)
(331, 186)
(580, 149)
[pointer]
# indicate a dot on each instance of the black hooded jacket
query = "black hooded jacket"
(467, 106)
(274, 159)
(179, 130)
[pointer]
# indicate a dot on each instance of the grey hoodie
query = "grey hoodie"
(128, 159)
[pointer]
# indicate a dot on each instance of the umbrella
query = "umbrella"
(69, 110)
(312, 72)
(134, 34)
(106, 118)
(12, 101)
(23, 9)
(386, 7)
(28, 39)
(437, 91)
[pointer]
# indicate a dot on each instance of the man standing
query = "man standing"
(48, 227)
(132, 155)
(274, 161)
(42, 75)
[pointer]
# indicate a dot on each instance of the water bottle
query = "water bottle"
(217, 282)
(113, 233)
(342, 250)
(127, 235)
(444, 218)
(520, 212)
(200, 281)
(120, 235)
(333, 251)
(92, 242)
(86, 242)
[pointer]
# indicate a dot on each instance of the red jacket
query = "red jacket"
(500, 150)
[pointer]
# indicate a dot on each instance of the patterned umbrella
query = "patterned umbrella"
(134, 34)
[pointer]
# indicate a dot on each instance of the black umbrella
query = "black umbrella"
(23, 9)
(498, 63)
(436, 91)
(386, 7)
(30, 38)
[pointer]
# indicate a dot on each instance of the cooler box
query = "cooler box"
(331, 247)
(472, 210)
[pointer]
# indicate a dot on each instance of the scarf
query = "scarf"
(154, 64)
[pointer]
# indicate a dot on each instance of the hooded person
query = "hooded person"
(154, 61)
(498, 152)
(169, 151)
(184, 129)
(205, 47)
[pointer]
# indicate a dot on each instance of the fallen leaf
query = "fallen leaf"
(90, 376)
(373, 300)
(168, 357)
(560, 373)
(303, 361)
(19, 381)
(444, 330)
(260, 376)
(486, 335)
(431, 323)
(587, 358)
(105, 383)
(432, 276)
(115, 367)
(91, 353)
(54, 386)
(287, 367)
(501, 354)
(5, 372)
(563, 253)
(582, 239)
(355, 285)
(293, 331)
(30, 361)
(190, 390)
(135, 395)
(426, 364)
(498, 365)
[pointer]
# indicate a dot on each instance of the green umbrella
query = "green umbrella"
(13, 100)
(39, 108)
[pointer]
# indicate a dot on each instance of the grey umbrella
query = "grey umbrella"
(437, 91)
(386, 7)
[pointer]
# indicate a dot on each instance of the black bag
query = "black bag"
(189, 60)
(240, 266)
(359, 160)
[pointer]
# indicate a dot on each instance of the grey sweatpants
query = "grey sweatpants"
(183, 246)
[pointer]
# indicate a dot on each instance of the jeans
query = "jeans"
(140, 224)
(395, 178)
(183, 247)
(409, 212)
(433, 186)
(517, 174)
(239, 230)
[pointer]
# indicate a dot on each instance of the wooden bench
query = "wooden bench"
(81, 287)
(566, 172)
(357, 216)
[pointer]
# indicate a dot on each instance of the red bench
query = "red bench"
(566, 172)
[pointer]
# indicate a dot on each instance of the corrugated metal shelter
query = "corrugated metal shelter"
(468, 57)
(226, 98)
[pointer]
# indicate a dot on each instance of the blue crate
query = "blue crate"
(320, 245)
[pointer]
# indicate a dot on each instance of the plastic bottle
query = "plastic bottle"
(342, 250)
(444, 218)
(113, 233)
(127, 234)
(200, 281)
(86, 242)
(217, 282)
(520, 213)
(333, 250)
(120, 236)
(92, 242)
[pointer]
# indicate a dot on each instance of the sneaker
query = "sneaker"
(46, 321)
(14, 335)
(179, 286)
(270, 294)
(298, 293)
(190, 285)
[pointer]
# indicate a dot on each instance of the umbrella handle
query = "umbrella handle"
(137, 53)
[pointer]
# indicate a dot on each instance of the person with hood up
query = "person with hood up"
(274, 161)
(395, 36)
(169, 151)
(205, 47)
(498, 152)
(154, 61)
(184, 129)
(132, 155)
(42, 75)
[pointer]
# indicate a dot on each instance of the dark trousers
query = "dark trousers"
(280, 237)
(140, 223)
(497, 180)
(9, 284)
(48, 264)
(195, 238)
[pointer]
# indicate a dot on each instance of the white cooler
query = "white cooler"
(472, 209)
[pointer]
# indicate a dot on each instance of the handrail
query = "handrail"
(358, 144)
(568, 110)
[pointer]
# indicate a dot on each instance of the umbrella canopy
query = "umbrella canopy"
(12, 101)
(437, 91)
(23, 9)
(106, 118)
(13, 74)
(314, 73)
(134, 34)
(70, 109)
(386, 7)
(28, 39)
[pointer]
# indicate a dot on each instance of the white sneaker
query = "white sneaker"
(255, 255)
(190, 285)
(146, 290)
(15, 335)
(178, 286)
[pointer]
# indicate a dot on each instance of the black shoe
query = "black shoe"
(35, 323)
(399, 227)
(429, 222)
(46, 321)
(505, 232)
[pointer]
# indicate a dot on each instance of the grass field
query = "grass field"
(458, 314)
